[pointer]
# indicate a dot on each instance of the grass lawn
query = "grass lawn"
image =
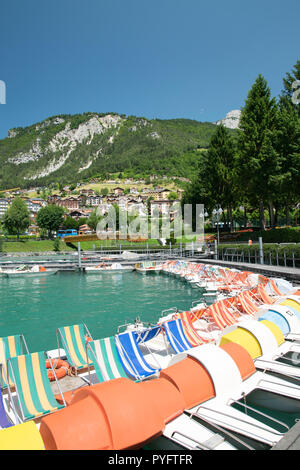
(47, 245)
(32, 246)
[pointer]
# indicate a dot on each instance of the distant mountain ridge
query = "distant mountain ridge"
(69, 148)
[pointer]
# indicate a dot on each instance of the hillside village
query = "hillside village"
(80, 202)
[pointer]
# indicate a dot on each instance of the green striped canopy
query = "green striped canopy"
(9, 347)
(108, 365)
(32, 385)
(74, 341)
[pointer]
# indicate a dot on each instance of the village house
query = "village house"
(164, 193)
(118, 191)
(34, 205)
(53, 198)
(162, 206)
(133, 191)
(68, 202)
(93, 200)
(78, 214)
(4, 205)
(136, 208)
(84, 230)
(87, 192)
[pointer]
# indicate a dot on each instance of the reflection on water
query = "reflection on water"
(37, 306)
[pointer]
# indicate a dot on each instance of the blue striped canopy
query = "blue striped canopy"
(132, 358)
(145, 335)
(176, 336)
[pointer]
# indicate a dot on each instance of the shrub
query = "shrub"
(56, 244)
(279, 235)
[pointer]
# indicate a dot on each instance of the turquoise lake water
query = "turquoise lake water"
(36, 307)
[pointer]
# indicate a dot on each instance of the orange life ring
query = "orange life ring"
(62, 368)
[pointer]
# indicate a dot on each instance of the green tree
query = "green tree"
(104, 191)
(50, 218)
(215, 183)
(45, 194)
(172, 196)
(70, 223)
(220, 170)
(257, 160)
(93, 220)
(17, 218)
(287, 144)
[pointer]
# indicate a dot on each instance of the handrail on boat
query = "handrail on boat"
(170, 310)
(274, 370)
(241, 420)
(296, 387)
(265, 415)
(290, 359)
(137, 321)
(220, 428)
(200, 445)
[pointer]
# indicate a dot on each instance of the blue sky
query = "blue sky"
(157, 59)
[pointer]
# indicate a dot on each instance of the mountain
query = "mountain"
(72, 148)
(232, 119)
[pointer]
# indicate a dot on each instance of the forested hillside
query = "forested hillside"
(67, 148)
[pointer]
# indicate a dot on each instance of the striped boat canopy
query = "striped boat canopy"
(142, 336)
(11, 346)
(106, 360)
(34, 392)
(132, 358)
(74, 339)
(190, 332)
(176, 336)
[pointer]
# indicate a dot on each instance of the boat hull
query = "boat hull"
(148, 271)
(29, 274)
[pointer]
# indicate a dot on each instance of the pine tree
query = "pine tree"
(216, 180)
(287, 143)
(257, 158)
